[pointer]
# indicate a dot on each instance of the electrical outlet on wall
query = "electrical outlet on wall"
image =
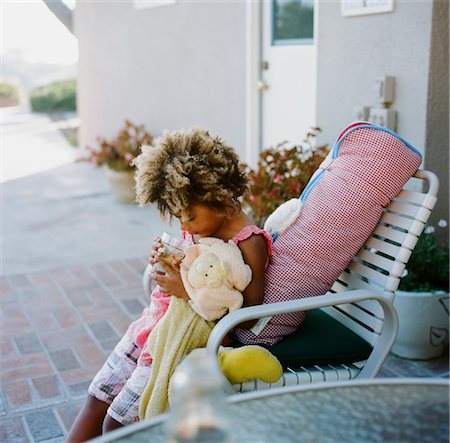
(383, 117)
(361, 113)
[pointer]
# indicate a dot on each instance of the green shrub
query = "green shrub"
(428, 267)
(57, 96)
(9, 92)
(282, 173)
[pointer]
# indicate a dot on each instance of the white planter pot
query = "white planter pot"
(122, 185)
(423, 324)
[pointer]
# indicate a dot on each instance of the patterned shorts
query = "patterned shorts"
(121, 381)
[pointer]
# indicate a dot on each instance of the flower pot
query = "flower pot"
(122, 185)
(8, 101)
(423, 324)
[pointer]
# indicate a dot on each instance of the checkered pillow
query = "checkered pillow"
(341, 206)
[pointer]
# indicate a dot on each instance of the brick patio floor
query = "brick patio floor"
(58, 326)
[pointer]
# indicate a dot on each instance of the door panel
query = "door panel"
(288, 76)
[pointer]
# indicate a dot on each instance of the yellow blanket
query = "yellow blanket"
(178, 332)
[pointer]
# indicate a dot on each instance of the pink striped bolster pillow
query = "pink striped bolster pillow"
(341, 206)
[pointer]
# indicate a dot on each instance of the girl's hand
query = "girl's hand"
(170, 282)
(156, 248)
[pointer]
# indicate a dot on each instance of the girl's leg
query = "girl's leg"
(89, 421)
(106, 385)
(109, 424)
(124, 410)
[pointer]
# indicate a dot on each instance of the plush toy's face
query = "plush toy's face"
(207, 270)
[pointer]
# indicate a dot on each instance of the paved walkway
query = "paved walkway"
(70, 285)
(64, 214)
(58, 326)
(42, 145)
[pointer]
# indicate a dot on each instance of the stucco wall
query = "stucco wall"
(354, 51)
(410, 44)
(168, 67)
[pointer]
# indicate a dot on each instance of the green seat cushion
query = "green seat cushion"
(320, 340)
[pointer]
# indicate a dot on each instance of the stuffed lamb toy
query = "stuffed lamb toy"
(214, 275)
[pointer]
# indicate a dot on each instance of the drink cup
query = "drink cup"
(172, 247)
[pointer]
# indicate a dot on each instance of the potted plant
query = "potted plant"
(422, 301)
(282, 173)
(9, 94)
(116, 155)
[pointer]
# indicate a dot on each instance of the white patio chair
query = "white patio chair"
(357, 316)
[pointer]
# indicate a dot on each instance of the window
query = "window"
(293, 22)
(363, 7)
(145, 4)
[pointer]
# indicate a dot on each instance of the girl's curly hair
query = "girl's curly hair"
(185, 168)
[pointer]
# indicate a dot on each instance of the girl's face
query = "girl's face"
(201, 220)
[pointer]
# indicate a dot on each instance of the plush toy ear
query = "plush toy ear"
(225, 268)
(202, 265)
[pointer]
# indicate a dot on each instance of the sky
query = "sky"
(28, 28)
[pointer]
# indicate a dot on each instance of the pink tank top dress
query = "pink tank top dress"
(140, 329)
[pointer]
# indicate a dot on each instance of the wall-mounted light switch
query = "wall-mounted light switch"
(384, 89)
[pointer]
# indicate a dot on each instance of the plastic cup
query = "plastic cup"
(172, 247)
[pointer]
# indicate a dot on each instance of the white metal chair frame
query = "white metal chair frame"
(361, 298)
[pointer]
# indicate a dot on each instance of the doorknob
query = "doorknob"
(263, 86)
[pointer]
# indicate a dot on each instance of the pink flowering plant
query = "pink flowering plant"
(428, 267)
(282, 173)
(118, 153)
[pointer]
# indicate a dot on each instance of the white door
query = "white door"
(288, 71)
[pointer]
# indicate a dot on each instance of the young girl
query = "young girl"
(197, 179)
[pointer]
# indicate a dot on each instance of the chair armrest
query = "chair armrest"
(379, 352)
(146, 281)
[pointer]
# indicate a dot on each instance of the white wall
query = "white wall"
(169, 67)
(411, 44)
(353, 51)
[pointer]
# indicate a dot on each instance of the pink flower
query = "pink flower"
(252, 198)
(277, 179)
(128, 157)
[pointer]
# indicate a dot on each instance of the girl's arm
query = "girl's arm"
(171, 282)
(254, 252)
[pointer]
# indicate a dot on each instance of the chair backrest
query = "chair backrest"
(382, 260)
